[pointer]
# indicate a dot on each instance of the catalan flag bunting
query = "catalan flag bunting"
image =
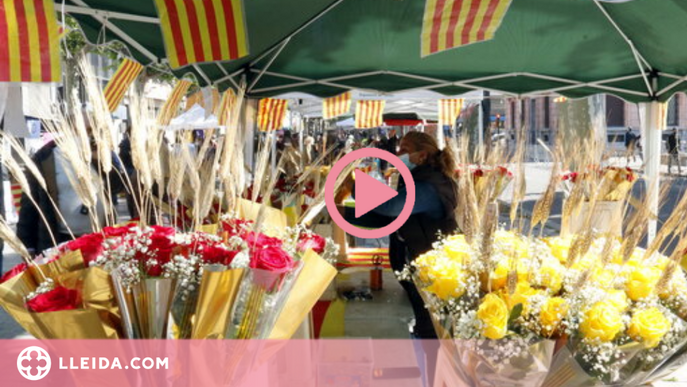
(171, 107)
(29, 41)
(271, 113)
(119, 83)
(453, 23)
(336, 106)
(449, 110)
(226, 105)
(368, 114)
(202, 30)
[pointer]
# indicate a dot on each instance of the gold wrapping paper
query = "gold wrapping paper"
(12, 294)
(72, 324)
(274, 220)
(218, 290)
(209, 228)
(98, 320)
(313, 280)
(68, 262)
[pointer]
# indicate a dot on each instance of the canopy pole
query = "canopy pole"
(653, 123)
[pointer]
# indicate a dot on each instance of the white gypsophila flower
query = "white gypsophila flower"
(42, 288)
(240, 261)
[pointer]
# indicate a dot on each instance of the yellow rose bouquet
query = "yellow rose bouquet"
(532, 311)
(501, 312)
(620, 325)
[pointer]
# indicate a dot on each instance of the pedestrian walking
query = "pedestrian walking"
(674, 151)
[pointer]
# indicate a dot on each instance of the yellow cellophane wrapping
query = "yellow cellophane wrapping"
(218, 290)
(313, 280)
(98, 320)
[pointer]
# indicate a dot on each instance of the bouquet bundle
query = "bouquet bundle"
(531, 311)
(161, 283)
(487, 181)
(610, 184)
(59, 296)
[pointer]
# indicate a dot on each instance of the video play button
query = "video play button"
(370, 193)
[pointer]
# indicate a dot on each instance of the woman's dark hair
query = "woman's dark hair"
(441, 159)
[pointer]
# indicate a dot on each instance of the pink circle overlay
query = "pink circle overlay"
(336, 171)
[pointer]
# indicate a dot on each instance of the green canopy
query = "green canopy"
(635, 50)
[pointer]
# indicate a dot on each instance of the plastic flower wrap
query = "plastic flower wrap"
(611, 321)
(610, 184)
(488, 180)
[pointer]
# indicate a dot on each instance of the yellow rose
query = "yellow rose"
(602, 322)
(648, 326)
(457, 248)
(603, 277)
(641, 281)
(523, 293)
(618, 299)
(499, 278)
(560, 247)
(552, 275)
(447, 280)
(551, 315)
(493, 313)
(424, 264)
(444, 277)
(510, 242)
(586, 262)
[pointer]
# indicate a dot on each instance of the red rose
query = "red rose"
(90, 245)
(272, 259)
(235, 227)
(311, 241)
(55, 300)
(258, 240)
(161, 230)
(111, 232)
(162, 247)
(154, 271)
(15, 271)
(217, 255)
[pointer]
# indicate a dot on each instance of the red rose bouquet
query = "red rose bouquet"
(486, 180)
(54, 300)
(607, 184)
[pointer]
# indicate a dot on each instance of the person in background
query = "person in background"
(433, 215)
(674, 151)
(53, 164)
(632, 145)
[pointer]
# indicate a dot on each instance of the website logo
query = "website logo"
(33, 363)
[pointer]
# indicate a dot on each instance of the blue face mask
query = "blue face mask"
(406, 160)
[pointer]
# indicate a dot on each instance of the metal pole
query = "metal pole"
(652, 129)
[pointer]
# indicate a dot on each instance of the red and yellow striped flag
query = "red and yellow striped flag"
(369, 114)
(271, 113)
(29, 41)
(225, 107)
(202, 30)
(336, 106)
(449, 110)
(171, 107)
(453, 23)
(119, 83)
